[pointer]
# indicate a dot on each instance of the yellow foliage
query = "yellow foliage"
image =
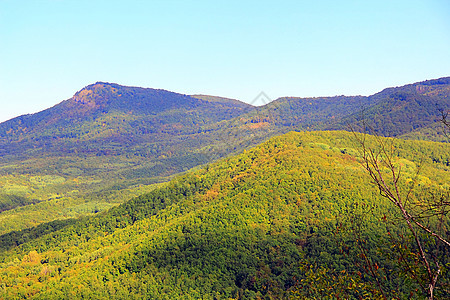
(210, 195)
(32, 257)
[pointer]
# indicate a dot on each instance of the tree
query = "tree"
(424, 216)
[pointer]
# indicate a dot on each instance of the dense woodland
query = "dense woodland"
(110, 142)
(273, 222)
(123, 193)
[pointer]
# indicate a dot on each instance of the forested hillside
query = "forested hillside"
(272, 222)
(102, 114)
(408, 111)
(109, 142)
(105, 145)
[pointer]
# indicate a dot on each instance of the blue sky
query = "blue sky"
(51, 49)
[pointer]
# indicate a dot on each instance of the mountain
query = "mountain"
(265, 223)
(399, 111)
(109, 142)
(109, 113)
(106, 112)
(105, 144)
(269, 223)
(109, 118)
(408, 112)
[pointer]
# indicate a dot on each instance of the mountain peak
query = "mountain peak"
(95, 94)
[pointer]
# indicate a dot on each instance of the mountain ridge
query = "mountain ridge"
(266, 223)
(117, 140)
(82, 96)
(89, 208)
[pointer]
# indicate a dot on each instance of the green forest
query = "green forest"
(296, 217)
(109, 143)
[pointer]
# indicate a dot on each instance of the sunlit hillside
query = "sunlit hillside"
(273, 222)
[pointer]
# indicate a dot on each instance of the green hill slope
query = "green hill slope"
(262, 224)
(110, 142)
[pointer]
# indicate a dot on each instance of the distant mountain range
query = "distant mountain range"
(110, 138)
(391, 112)
(109, 118)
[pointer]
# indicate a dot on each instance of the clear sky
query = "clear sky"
(51, 49)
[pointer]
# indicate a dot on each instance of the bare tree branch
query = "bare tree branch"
(377, 160)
